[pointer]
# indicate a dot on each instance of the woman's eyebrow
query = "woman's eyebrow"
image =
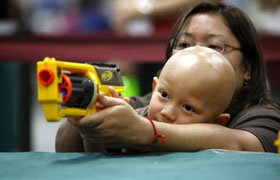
(215, 35)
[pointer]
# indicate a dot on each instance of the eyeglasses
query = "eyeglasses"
(213, 43)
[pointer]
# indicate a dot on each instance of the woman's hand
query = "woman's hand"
(116, 125)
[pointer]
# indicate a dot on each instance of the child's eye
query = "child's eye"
(188, 108)
(163, 94)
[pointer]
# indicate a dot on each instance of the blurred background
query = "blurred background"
(131, 33)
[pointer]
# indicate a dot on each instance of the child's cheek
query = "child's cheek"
(154, 110)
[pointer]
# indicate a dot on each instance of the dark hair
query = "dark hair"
(254, 91)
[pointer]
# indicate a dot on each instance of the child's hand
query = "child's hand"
(114, 94)
(117, 95)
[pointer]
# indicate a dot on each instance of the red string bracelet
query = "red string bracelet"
(157, 135)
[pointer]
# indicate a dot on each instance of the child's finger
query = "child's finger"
(106, 101)
(113, 92)
(98, 106)
(117, 95)
(126, 99)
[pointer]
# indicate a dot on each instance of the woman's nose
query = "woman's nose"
(168, 113)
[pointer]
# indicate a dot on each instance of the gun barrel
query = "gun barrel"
(46, 76)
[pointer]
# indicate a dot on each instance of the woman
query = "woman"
(255, 117)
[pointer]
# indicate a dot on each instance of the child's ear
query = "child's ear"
(155, 80)
(222, 119)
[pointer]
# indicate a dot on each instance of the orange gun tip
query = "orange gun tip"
(46, 76)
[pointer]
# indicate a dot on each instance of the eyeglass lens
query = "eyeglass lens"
(185, 41)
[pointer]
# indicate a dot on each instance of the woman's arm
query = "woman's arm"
(194, 137)
(68, 139)
(118, 125)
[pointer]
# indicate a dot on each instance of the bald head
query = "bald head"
(206, 71)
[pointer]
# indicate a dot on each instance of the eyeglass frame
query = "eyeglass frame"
(222, 52)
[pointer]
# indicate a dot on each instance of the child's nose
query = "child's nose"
(169, 113)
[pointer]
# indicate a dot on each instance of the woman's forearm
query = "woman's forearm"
(68, 139)
(195, 137)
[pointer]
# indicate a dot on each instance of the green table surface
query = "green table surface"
(209, 164)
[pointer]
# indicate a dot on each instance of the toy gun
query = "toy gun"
(67, 89)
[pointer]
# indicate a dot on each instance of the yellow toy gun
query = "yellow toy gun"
(67, 89)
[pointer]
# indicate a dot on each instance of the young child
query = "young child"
(196, 85)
